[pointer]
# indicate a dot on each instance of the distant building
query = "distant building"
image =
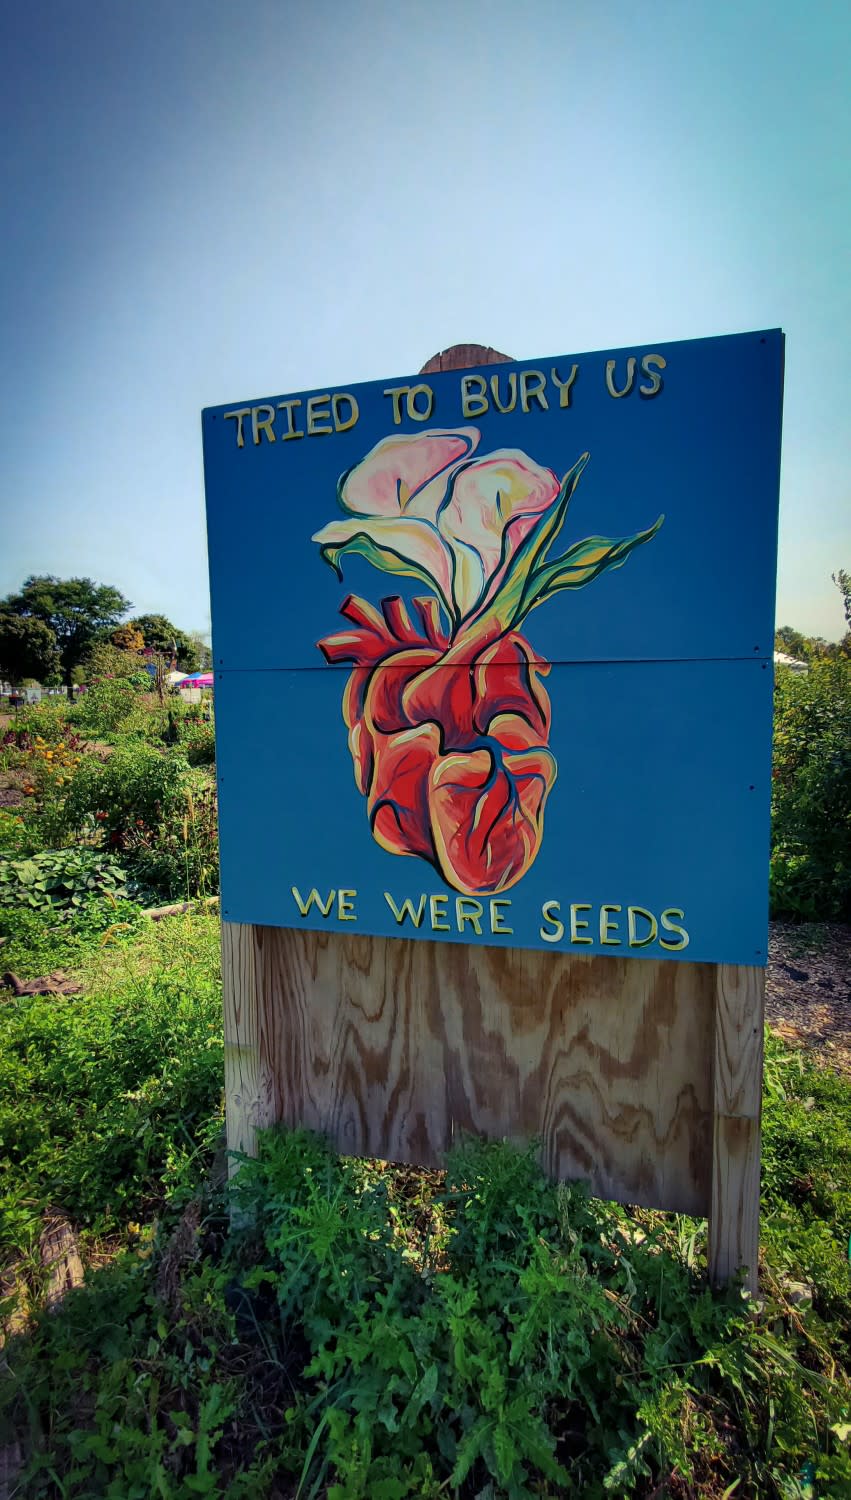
(792, 662)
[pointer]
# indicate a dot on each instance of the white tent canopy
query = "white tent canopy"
(782, 660)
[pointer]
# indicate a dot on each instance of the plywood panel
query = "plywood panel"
(624, 822)
(687, 594)
(391, 1047)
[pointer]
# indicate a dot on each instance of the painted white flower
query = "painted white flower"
(422, 505)
(476, 529)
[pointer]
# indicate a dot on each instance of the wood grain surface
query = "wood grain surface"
(737, 1104)
(463, 357)
(392, 1047)
(249, 1091)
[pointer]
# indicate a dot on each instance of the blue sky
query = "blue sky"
(205, 202)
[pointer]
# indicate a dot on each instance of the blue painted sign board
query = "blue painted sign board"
(493, 651)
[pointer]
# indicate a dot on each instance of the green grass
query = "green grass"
(386, 1332)
(37, 943)
(105, 1096)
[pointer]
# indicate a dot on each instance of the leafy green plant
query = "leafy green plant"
(105, 706)
(14, 837)
(35, 941)
(61, 878)
(577, 1357)
(539, 1346)
(179, 854)
(374, 1331)
(811, 800)
(136, 786)
(98, 1095)
(806, 1179)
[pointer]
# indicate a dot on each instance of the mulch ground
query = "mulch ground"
(808, 988)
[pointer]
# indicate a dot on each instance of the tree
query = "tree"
(811, 793)
(27, 648)
(77, 610)
(843, 583)
(128, 638)
(203, 649)
(166, 640)
(810, 647)
(791, 642)
(103, 659)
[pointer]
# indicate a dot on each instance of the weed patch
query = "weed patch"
(106, 1099)
(490, 1333)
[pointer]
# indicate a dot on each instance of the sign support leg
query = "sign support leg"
(737, 1100)
(249, 1091)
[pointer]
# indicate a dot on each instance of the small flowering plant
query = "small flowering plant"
(446, 710)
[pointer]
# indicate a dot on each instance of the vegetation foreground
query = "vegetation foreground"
(371, 1331)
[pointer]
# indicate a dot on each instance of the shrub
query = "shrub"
(105, 706)
(137, 787)
(811, 792)
(20, 738)
(45, 769)
(98, 1095)
(48, 720)
(198, 743)
(62, 878)
(106, 660)
(179, 855)
(15, 838)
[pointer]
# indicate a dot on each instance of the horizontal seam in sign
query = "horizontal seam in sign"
(578, 661)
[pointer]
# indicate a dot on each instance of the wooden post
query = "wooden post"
(737, 1105)
(248, 1090)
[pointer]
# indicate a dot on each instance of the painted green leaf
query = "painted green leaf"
(582, 563)
(532, 551)
(365, 543)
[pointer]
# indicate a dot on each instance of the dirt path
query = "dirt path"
(808, 988)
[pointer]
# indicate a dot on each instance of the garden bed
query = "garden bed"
(808, 988)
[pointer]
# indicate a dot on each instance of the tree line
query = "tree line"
(59, 630)
(814, 647)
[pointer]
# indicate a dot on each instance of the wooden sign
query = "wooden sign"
(543, 737)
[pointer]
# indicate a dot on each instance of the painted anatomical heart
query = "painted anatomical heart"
(446, 709)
